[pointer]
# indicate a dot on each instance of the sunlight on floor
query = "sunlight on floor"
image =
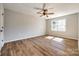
(58, 39)
(49, 37)
(54, 38)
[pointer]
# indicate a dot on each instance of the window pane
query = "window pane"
(59, 25)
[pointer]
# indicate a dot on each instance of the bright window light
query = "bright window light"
(58, 25)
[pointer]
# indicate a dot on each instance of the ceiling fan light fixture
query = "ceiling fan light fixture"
(44, 11)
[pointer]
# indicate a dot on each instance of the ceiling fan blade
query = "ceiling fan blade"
(44, 6)
(50, 13)
(38, 8)
(39, 13)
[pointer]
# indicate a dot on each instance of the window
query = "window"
(58, 25)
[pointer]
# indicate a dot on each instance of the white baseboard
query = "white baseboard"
(22, 38)
(63, 36)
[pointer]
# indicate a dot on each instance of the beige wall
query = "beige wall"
(20, 26)
(71, 27)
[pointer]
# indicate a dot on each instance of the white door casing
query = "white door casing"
(1, 26)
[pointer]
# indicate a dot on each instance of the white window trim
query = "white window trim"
(57, 27)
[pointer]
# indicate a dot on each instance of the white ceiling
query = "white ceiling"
(60, 9)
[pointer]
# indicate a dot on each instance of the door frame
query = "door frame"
(1, 26)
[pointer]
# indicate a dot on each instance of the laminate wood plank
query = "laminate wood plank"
(41, 46)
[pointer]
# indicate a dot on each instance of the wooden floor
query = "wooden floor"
(0, 53)
(41, 46)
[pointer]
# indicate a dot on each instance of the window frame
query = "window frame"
(58, 26)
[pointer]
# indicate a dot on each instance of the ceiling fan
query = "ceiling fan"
(44, 11)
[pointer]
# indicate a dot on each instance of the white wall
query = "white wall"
(21, 26)
(71, 27)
